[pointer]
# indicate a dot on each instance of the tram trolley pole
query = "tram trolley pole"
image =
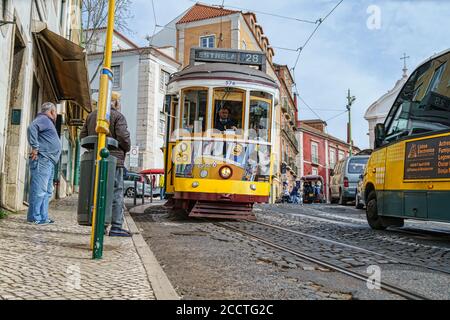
(101, 205)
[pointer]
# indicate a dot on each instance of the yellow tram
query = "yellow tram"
(218, 155)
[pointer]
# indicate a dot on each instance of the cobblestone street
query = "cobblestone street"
(205, 261)
(54, 261)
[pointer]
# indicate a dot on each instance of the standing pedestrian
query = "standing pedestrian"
(118, 129)
(45, 153)
(294, 195)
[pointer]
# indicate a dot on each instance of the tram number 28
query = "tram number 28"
(251, 58)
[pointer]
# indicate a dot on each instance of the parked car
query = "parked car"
(128, 185)
(345, 177)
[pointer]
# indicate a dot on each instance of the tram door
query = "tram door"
(168, 151)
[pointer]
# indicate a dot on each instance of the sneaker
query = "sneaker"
(118, 232)
(48, 221)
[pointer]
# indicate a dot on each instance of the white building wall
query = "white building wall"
(13, 140)
(142, 101)
(128, 89)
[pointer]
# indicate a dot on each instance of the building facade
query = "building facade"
(140, 76)
(41, 60)
(319, 151)
(289, 146)
(214, 27)
(378, 111)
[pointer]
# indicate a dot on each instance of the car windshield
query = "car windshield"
(357, 165)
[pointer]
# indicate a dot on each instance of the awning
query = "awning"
(66, 66)
(152, 171)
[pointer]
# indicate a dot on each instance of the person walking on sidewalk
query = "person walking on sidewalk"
(45, 152)
(118, 129)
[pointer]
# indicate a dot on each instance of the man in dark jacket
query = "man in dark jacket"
(118, 130)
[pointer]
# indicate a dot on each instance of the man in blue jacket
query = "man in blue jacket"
(45, 153)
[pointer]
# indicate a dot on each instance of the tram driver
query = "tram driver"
(224, 121)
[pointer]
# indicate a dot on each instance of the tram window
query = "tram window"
(193, 116)
(228, 109)
(259, 116)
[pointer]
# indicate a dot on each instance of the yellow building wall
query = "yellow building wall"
(192, 37)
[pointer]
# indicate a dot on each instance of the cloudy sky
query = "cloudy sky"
(352, 49)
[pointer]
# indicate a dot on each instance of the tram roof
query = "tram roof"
(224, 71)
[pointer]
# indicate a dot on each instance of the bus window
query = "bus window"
(228, 109)
(259, 122)
(193, 117)
(423, 105)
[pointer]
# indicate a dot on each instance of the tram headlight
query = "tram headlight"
(225, 172)
(253, 187)
(195, 184)
(203, 173)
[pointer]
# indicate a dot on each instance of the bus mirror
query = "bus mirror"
(380, 134)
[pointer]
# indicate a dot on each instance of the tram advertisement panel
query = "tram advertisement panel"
(428, 159)
(249, 161)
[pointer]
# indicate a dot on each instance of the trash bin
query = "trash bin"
(87, 180)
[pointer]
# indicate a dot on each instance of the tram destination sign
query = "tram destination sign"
(228, 56)
(428, 159)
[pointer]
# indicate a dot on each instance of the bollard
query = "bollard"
(101, 205)
(143, 189)
(135, 191)
(151, 189)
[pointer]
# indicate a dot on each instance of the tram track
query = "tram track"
(388, 287)
(334, 242)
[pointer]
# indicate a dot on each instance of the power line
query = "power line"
(338, 115)
(320, 21)
(305, 103)
(224, 38)
(265, 13)
(156, 23)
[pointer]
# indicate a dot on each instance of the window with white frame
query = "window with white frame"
(163, 80)
(208, 41)
(332, 158)
(314, 171)
(314, 152)
(341, 154)
(117, 76)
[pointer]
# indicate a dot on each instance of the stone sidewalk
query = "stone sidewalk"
(54, 261)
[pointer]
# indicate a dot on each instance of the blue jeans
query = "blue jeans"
(41, 188)
(117, 205)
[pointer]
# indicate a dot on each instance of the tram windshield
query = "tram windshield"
(259, 124)
(193, 117)
(228, 109)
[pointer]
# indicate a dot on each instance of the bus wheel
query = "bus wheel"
(374, 220)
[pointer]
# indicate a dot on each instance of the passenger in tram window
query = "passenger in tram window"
(224, 120)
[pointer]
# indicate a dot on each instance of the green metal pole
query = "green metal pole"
(101, 205)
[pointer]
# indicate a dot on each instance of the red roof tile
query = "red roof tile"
(201, 12)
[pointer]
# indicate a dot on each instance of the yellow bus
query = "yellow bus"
(408, 174)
